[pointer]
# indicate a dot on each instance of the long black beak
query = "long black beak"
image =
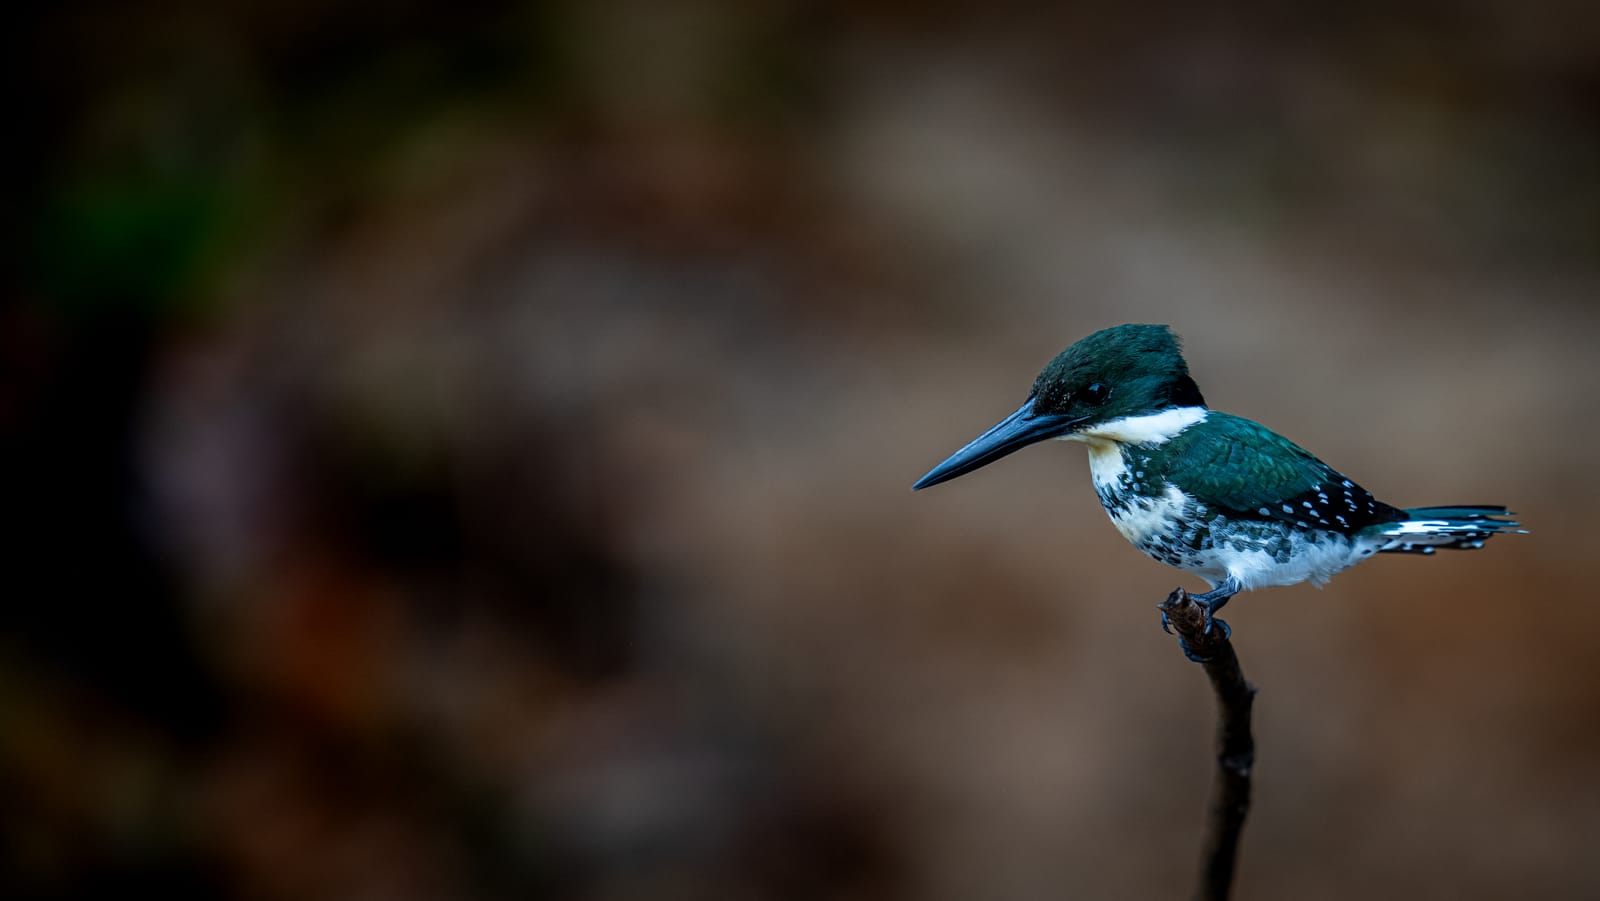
(1013, 433)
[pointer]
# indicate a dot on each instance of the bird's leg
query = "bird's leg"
(1213, 601)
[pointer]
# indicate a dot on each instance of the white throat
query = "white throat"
(1152, 428)
(1106, 440)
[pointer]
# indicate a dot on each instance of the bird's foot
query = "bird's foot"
(1194, 619)
(1210, 618)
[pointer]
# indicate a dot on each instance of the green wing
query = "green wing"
(1250, 470)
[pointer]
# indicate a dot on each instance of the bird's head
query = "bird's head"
(1114, 374)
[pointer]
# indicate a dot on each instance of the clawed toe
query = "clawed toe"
(1213, 631)
(1227, 631)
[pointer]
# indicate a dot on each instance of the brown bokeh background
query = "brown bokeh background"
(463, 450)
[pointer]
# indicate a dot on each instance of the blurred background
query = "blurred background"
(463, 450)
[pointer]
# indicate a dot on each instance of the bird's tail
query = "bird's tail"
(1426, 529)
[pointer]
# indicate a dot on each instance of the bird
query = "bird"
(1215, 495)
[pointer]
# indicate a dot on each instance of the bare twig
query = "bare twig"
(1236, 751)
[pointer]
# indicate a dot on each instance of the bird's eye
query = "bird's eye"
(1095, 393)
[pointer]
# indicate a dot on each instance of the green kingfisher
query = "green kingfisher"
(1216, 495)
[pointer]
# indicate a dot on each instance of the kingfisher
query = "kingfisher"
(1212, 494)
